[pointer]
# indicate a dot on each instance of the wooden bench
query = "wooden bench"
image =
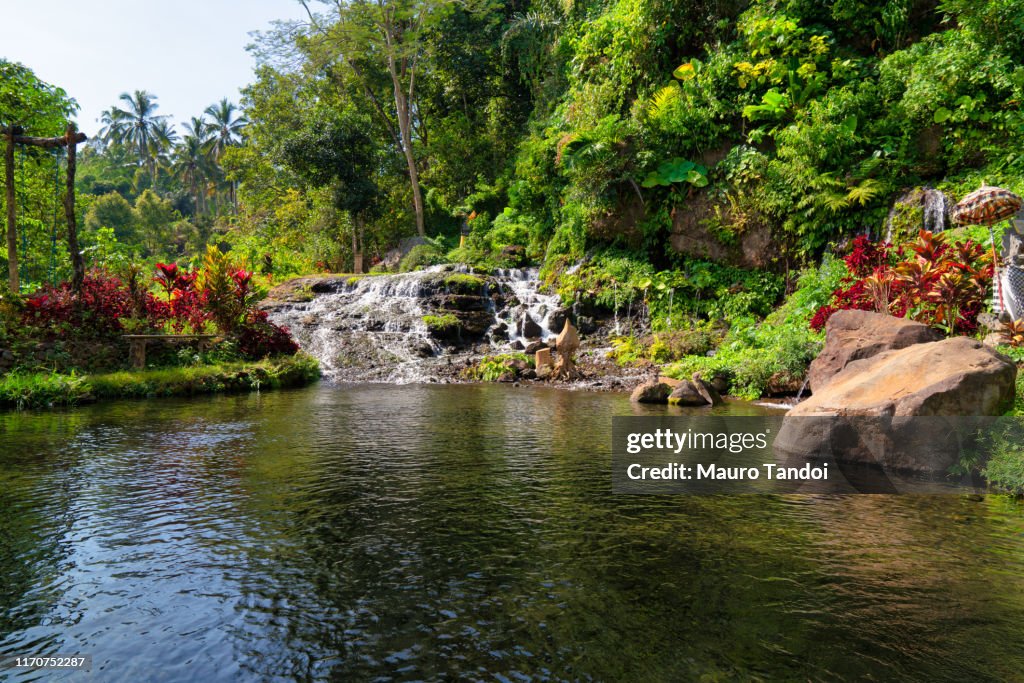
(137, 344)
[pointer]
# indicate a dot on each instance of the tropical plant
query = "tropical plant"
(943, 285)
(137, 125)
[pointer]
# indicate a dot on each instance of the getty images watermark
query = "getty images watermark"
(714, 454)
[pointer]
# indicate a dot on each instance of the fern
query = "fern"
(835, 201)
(868, 189)
(663, 100)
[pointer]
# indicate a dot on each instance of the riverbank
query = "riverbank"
(42, 390)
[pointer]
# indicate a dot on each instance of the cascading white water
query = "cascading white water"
(372, 328)
(544, 310)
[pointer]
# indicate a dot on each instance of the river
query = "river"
(430, 532)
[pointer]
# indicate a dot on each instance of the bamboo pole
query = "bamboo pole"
(77, 262)
(12, 216)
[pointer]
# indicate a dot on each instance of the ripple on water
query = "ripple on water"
(362, 532)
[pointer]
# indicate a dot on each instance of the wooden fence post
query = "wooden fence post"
(12, 216)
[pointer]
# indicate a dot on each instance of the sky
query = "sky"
(189, 53)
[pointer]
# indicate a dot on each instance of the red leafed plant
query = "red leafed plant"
(167, 277)
(220, 293)
(97, 313)
(943, 285)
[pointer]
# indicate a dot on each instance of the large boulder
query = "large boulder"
(866, 413)
(853, 335)
(956, 376)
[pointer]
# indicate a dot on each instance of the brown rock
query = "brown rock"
(651, 392)
(956, 376)
(706, 390)
(534, 347)
(669, 381)
(863, 414)
(854, 335)
(686, 394)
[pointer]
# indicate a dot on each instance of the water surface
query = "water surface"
(433, 532)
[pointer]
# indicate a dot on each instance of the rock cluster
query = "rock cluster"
(693, 392)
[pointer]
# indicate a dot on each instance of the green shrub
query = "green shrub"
(491, 368)
(441, 323)
(42, 389)
(755, 353)
(421, 256)
(664, 347)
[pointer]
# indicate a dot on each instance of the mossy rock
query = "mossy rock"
(444, 326)
(465, 283)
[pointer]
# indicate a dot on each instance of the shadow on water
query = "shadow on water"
(425, 532)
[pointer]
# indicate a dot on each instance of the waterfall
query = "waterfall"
(372, 328)
(668, 319)
(615, 307)
(532, 314)
(936, 209)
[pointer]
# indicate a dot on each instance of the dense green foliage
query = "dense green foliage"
(756, 356)
(562, 129)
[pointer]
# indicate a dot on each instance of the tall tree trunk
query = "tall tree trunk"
(12, 216)
(405, 130)
(403, 110)
(77, 262)
(357, 245)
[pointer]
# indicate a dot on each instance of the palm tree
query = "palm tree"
(190, 165)
(224, 130)
(198, 127)
(136, 125)
(225, 127)
(162, 145)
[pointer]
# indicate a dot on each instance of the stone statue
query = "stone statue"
(566, 344)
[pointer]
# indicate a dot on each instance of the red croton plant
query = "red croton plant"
(106, 304)
(932, 281)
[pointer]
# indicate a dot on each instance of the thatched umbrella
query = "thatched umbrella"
(987, 206)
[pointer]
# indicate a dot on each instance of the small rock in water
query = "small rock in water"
(529, 327)
(517, 345)
(686, 394)
(534, 347)
(652, 392)
(423, 349)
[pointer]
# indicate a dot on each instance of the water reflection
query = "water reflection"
(392, 533)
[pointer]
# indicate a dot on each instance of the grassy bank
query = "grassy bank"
(39, 390)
